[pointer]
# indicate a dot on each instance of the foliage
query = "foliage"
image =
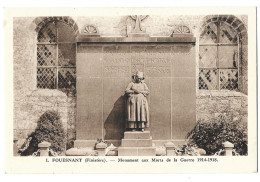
(99, 140)
(49, 128)
(210, 135)
(186, 150)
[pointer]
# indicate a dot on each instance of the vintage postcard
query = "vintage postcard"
(113, 90)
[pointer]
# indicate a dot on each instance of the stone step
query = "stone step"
(137, 135)
(136, 143)
(136, 151)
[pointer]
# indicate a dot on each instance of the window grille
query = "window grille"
(56, 57)
(218, 57)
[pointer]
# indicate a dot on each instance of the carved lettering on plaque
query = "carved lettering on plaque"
(161, 71)
(114, 71)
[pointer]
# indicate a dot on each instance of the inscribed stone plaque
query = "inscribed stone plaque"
(158, 71)
(158, 55)
(116, 60)
(137, 67)
(114, 108)
(106, 69)
(116, 71)
(89, 108)
(183, 65)
(182, 48)
(138, 54)
(158, 63)
(89, 61)
(160, 107)
(183, 106)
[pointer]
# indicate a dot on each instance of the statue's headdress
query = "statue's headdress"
(138, 74)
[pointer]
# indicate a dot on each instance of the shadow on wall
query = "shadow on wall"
(115, 122)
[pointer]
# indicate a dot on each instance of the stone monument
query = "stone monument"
(105, 66)
(137, 140)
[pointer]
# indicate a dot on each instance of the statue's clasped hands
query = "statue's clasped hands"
(136, 91)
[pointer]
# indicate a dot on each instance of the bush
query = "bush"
(49, 128)
(99, 140)
(209, 135)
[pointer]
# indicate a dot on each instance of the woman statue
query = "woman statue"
(137, 105)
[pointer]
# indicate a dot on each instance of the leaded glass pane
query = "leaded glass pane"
(56, 69)
(209, 34)
(46, 55)
(67, 54)
(48, 33)
(228, 56)
(229, 79)
(65, 33)
(208, 79)
(67, 78)
(208, 57)
(46, 77)
(227, 34)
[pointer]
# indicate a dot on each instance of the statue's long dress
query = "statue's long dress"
(137, 107)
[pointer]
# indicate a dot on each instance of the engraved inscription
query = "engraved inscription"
(121, 59)
(158, 59)
(113, 71)
(116, 69)
(154, 71)
(138, 58)
(137, 67)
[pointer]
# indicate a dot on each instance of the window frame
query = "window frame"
(218, 68)
(57, 67)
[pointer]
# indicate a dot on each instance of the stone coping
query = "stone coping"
(219, 93)
(179, 38)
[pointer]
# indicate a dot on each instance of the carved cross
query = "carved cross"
(138, 19)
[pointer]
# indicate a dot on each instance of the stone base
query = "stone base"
(81, 152)
(91, 143)
(84, 143)
(136, 143)
(162, 142)
(137, 135)
(117, 143)
(136, 151)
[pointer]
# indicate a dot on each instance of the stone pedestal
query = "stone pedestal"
(136, 144)
(101, 147)
(170, 149)
(228, 147)
(44, 148)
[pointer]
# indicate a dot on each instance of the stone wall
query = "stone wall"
(211, 104)
(36, 103)
(29, 102)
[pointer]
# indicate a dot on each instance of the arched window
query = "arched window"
(219, 57)
(56, 57)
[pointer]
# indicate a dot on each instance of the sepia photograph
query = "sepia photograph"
(126, 85)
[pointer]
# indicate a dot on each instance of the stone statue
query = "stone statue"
(137, 105)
